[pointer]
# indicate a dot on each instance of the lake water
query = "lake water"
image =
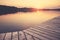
(21, 20)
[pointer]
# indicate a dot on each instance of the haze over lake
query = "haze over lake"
(23, 20)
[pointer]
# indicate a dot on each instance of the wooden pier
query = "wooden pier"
(49, 30)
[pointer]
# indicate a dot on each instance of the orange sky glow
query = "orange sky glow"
(31, 3)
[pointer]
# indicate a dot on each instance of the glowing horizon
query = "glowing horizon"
(31, 3)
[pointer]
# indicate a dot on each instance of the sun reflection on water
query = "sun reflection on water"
(31, 18)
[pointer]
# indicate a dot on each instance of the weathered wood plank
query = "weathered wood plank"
(22, 36)
(2, 36)
(44, 33)
(8, 36)
(29, 37)
(15, 36)
(35, 35)
(47, 31)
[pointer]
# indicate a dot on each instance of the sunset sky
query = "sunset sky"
(32, 3)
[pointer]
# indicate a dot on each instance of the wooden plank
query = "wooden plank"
(22, 36)
(8, 36)
(51, 27)
(11, 35)
(48, 30)
(15, 36)
(36, 35)
(44, 33)
(18, 35)
(2, 36)
(29, 37)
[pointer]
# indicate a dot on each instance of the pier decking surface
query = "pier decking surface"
(49, 30)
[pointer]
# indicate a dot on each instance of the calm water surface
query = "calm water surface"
(21, 20)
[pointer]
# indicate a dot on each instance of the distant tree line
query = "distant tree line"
(11, 9)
